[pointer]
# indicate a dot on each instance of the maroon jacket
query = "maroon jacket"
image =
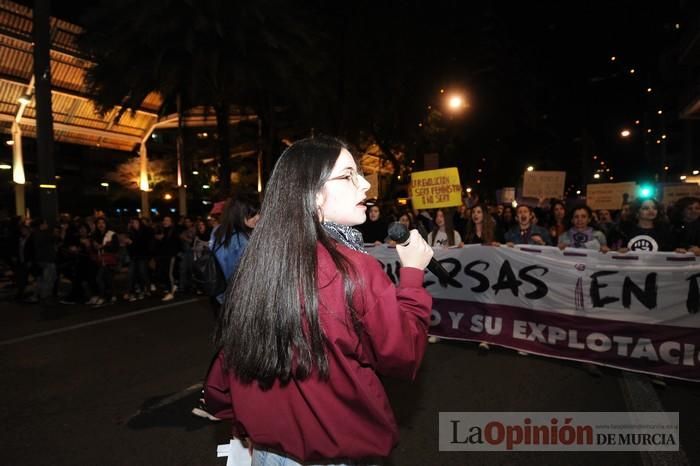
(347, 416)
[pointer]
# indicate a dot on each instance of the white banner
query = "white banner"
(637, 311)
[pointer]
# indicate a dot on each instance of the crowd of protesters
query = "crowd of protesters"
(156, 256)
(153, 256)
(640, 225)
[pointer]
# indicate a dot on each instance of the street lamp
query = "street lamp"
(530, 168)
(625, 133)
(456, 102)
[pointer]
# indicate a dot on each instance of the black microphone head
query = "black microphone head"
(398, 232)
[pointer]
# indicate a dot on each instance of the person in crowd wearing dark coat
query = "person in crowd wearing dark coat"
(374, 230)
(138, 242)
(649, 230)
(685, 223)
(167, 249)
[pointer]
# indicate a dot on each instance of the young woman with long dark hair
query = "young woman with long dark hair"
(230, 238)
(311, 320)
(444, 233)
(482, 227)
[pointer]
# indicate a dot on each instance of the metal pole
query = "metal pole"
(143, 179)
(180, 148)
(18, 170)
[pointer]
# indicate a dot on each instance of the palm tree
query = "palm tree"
(254, 53)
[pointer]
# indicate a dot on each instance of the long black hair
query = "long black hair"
(269, 326)
(236, 211)
(448, 215)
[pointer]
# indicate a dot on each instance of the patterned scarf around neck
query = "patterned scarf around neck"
(345, 235)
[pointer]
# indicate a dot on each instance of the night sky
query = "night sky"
(541, 81)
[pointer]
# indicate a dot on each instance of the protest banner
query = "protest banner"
(635, 311)
(432, 189)
(609, 195)
(671, 193)
(544, 184)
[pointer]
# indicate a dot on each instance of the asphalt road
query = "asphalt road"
(115, 385)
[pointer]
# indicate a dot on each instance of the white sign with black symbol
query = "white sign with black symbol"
(643, 243)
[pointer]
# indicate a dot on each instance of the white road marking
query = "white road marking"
(96, 322)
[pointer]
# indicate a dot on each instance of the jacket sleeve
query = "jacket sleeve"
(217, 394)
(395, 321)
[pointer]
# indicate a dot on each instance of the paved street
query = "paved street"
(115, 385)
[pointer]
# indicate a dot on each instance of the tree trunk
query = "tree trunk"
(48, 195)
(269, 134)
(222, 127)
(389, 155)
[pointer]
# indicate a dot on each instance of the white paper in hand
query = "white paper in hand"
(237, 453)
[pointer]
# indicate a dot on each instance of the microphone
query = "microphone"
(399, 233)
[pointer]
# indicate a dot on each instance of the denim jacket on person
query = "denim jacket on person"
(229, 255)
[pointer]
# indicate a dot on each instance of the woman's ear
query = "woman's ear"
(320, 200)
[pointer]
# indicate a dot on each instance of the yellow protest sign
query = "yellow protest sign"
(432, 189)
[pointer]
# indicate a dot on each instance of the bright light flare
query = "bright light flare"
(456, 102)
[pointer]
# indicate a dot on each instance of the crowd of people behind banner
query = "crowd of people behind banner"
(158, 254)
(640, 225)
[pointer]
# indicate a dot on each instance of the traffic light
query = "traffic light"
(646, 191)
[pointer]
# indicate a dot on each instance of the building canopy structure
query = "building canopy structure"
(76, 120)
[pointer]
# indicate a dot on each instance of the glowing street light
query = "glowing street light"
(530, 168)
(456, 102)
(596, 176)
(625, 133)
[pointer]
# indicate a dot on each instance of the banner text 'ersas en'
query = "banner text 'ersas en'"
(432, 189)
